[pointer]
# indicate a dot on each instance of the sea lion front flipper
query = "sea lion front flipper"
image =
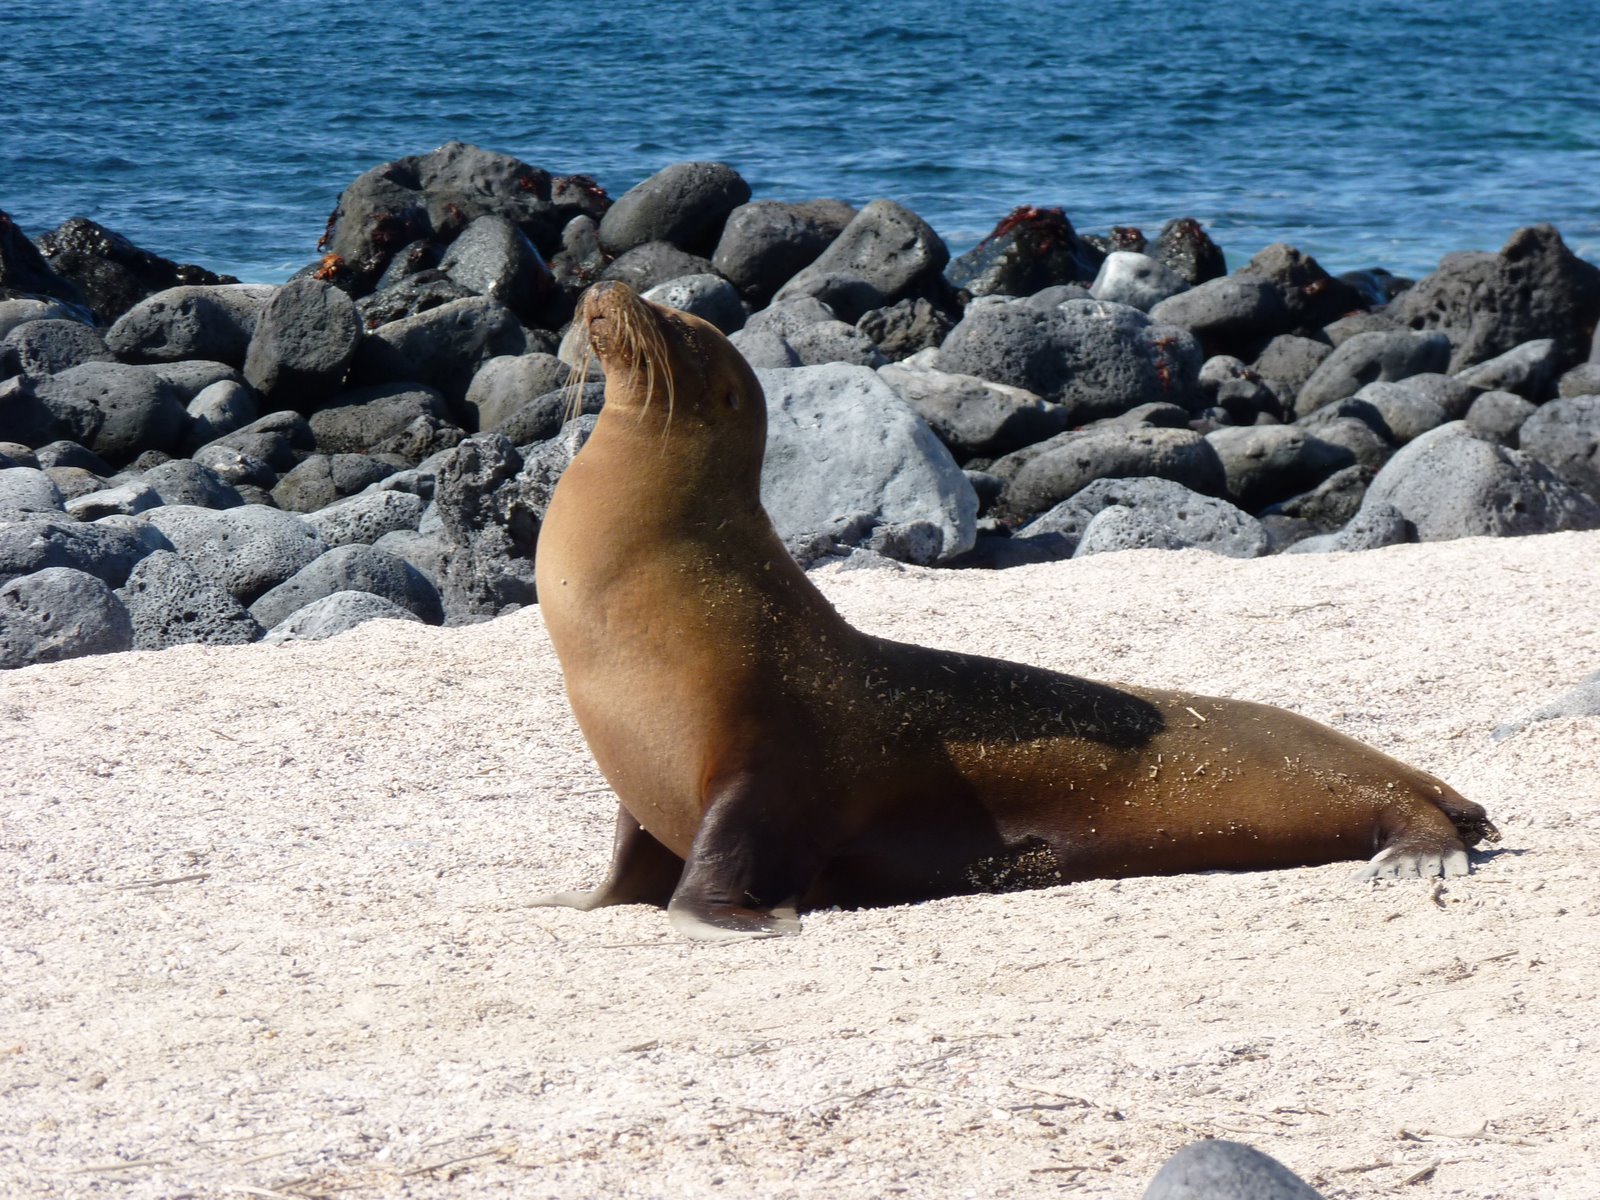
(643, 871)
(752, 859)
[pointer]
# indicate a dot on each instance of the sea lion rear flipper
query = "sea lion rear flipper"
(643, 871)
(749, 864)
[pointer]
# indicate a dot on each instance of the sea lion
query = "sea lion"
(767, 756)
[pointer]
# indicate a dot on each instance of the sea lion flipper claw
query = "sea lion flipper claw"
(729, 922)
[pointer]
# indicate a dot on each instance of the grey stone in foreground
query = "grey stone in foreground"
(1373, 527)
(184, 481)
(1565, 436)
(840, 442)
(1408, 413)
(126, 499)
(172, 604)
(1122, 514)
(1498, 416)
(1529, 370)
(1055, 470)
(442, 347)
(1264, 464)
(27, 491)
(303, 342)
(41, 348)
(59, 613)
(220, 408)
(358, 420)
(366, 517)
(1450, 484)
(115, 410)
(323, 478)
(336, 614)
(507, 383)
(973, 416)
(767, 242)
(709, 297)
(1223, 1170)
(211, 323)
(353, 568)
(1581, 701)
(246, 550)
(1371, 358)
(101, 550)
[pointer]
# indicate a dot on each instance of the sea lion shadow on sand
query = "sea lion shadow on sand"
(768, 757)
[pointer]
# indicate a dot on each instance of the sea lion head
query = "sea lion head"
(669, 368)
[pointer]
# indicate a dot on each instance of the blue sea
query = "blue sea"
(1369, 133)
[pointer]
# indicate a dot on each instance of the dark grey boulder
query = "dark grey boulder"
(1582, 701)
(887, 246)
(1373, 527)
(768, 242)
(1148, 513)
(1231, 315)
(1224, 1170)
(1311, 297)
(485, 534)
(28, 491)
(211, 323)
(184, 481)
(1530, 370)
(1535, 287)
(709, 297)
(1030, 249)
(366, 517)
(1287, 361)
(505, 384)
(1042, 476)
(1136, 280)
(578, 261)
(784, 317)
(410, 297)
(1407, 413)
(1371, 358)
(973, 416)
(1498, 416)
(1565, 436)
(442, 348)
(117, 411)
(102, 550)
(335, 614)
(59, 613)
(906, 327)
(653, 264)
(1337, 333)
(1150, 416)
(422, 438)
(1264, 464)
(170, 603)
(356, 421)
(1331, 504)
(123, 499)
(278, 439)
(247, 550)
(1448, 392)
(1450, 484)
(320, 479)
(351, 568)
(840, 442)
(303, 343)
(1582, 380)
(1098, 359)
(67, 453)
(1184, 246)
(74, 482)
(235, 467)
(544, 416)
(220, 409)
(25, 419)
(23, 268)
(1240, 390)
(1355, 425)
(112, 273)
(16, 454)
(686, 204)
(850, 296)
(493, 258)
(41, 348)
(192, 376)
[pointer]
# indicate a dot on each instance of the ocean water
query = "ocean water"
(1369, 133)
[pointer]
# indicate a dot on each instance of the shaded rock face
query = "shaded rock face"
(433, 197)
(115, 410)
(890, 248)
(112, 273)
(1487, 304)
(1565, 435)
(1029, 250)
(24, 271)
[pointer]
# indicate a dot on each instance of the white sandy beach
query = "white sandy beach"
(265, 934)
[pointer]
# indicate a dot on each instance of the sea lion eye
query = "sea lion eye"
(732, 399)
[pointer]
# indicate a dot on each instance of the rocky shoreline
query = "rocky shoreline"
(184, 458)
